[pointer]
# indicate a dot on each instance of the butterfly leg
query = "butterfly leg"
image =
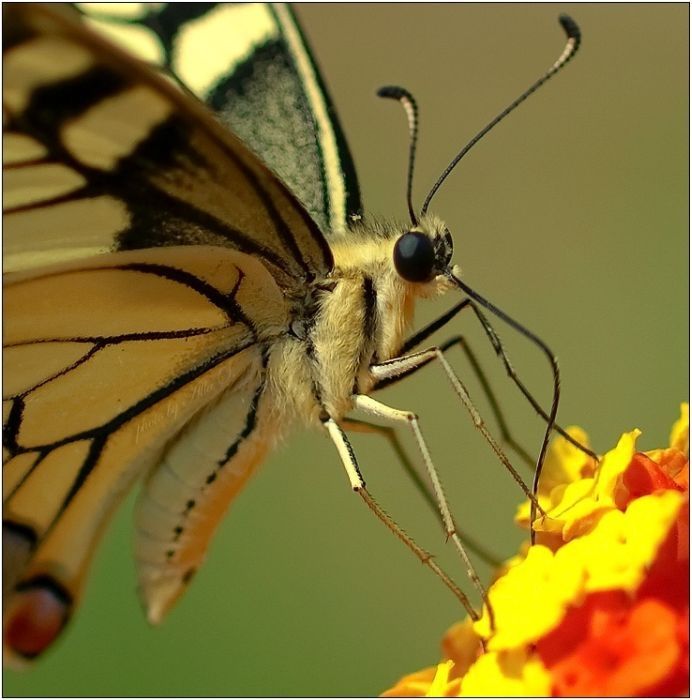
(407, 364)
(505, 433)
(348, 459)
(359, 426)
(396, 416)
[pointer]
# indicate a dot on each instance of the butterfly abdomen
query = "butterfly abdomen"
(185, 498)
(301, 379)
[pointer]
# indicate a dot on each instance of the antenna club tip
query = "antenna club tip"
(570, 26)
(394, 92)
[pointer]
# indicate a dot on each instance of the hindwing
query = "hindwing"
(105, 362)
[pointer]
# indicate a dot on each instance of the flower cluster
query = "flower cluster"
(600, 604)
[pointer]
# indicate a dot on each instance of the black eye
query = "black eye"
(414, 257)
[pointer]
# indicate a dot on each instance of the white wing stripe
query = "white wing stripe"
(199, 68)
(328, 145)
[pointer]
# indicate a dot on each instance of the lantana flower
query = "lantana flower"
(599, 605)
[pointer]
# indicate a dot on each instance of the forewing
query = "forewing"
(105, 362)
(251, 64)
(103, 154)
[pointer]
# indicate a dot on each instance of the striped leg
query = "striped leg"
(462, 342)
(393, 415)
(409, 363)
(350, 463)
(359, 426)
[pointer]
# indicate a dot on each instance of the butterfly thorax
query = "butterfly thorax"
(356, 317)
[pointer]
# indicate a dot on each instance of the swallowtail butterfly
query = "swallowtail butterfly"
(183, 284)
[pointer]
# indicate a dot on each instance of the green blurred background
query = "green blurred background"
(572, 216)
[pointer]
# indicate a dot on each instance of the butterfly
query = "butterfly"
(183, 284)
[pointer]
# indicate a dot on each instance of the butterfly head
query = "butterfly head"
(422, 253)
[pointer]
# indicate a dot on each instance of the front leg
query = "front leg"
(407, 364)
(462, 342)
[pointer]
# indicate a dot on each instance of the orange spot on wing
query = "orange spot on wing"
(34, 621)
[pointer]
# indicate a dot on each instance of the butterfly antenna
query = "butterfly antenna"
(573, 41)
(411, 108)
(552, 415)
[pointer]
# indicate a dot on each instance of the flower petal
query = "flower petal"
(507, 673)
(442, 686)
(625, 653)
(462, 645)
(545, 592)
(600, 605)
(414, 685)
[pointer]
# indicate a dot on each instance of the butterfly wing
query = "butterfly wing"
(251, 65)
(150, 262)
(93, 396)
(98, 139)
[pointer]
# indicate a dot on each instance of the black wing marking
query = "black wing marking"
(267, 89)
(117, 158)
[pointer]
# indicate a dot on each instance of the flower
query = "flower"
(604, 591)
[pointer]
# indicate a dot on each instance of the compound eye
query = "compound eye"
(414, 257)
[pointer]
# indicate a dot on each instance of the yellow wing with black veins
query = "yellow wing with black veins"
(103, 154)
(105, 362)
